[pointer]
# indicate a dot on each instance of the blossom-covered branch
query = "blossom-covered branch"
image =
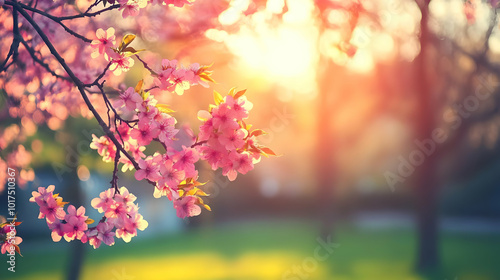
(135, 119)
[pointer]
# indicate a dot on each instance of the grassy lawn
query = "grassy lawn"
(267, 250)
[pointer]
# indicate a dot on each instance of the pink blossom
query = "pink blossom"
(239, 107)
(6, 246)
(105, 40)
(222, 119)
(212, 156)
(92, 237)
(77, 213)
(185, 160)
(170, 176)
(51, 210)
(181, 79)
(162, 189)
(130, 7)
(130, 99)
(195, 67)
(147, 113)
(168, 64)
(187, 207)
(120, 63)
(100, 144)
(123, 131)
(42, 195)
(148, 169)
(105, 233)
(137, 151)
(166, 128)
(76, 225)
(244, 163)
(104, 201)
(145, 133)
(233, 140)
(57, 230)
(206, 130)
(130, 226)
(104, 147)
(162, 79)
(230, 165)
(125, 197)
(116, 211)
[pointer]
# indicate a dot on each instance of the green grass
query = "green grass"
(266, 251)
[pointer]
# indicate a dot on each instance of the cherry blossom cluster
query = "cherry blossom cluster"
(173, 173)
(171, 77)
(229, 144)
(175, 78)
(119, 58)
(46, 82)
(225, 141)
(9, 241)
(121, 217)
(139, 120)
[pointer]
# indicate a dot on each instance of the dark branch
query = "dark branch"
(77, 82)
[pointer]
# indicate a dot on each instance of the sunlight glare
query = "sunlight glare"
(283, 52)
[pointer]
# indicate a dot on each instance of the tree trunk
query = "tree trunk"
(426, 185)
(325, 168)
(75, 197)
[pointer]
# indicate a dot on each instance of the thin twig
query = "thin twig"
(58, 20)
(41, 62)
(77, 82)
(146, 65)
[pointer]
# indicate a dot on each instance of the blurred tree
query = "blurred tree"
(436, 73)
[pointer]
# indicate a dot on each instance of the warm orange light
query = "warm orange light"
(281, 50)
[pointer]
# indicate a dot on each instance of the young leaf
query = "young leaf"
(131, 51)
(268, 151)
(207, 207)
(206, 77)
(231, 91)
(164, 108)
(258, 132)
(127, 39)
(218, 98)
(138, 87)
(239, 94)
(18, 250)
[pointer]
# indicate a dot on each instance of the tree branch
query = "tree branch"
(58, 20)
(77, 82)
(41, 62)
